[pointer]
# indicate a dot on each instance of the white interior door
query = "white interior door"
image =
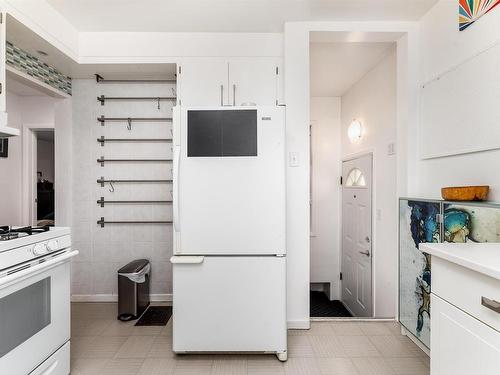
(357, 235)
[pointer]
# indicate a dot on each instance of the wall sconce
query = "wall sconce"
(355, 131)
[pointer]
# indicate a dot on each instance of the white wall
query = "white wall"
(11, 169)
(106, 47)
(444, 47)
(24, 111)
(45, 159)
(325, 203)
(372, 100)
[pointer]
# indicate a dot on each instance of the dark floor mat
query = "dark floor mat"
(155, 316)
(322, 307)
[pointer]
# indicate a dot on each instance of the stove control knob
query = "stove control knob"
(40, 249)
(52, 245)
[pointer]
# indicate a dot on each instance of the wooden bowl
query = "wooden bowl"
(465, 193)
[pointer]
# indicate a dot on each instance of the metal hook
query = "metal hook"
(112, 188)
(129, 125)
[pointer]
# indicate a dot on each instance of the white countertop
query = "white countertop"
(480, 257)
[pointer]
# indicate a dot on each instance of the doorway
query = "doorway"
(353, 230)
(356, 265)
(44, 205)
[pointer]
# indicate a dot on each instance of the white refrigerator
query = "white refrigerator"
(229, 263)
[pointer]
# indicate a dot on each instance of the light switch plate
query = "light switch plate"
(391, 148)
(293, 159)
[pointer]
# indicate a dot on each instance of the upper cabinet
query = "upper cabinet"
(253, 81)
(242, 81)
(202, 83)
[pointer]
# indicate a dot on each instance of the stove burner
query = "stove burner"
(9, 233)
(8, 236)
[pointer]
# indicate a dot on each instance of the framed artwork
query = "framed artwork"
(469, 11)
(4, 147)
(418, 223)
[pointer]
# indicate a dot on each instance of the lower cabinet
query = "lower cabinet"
(461, 344)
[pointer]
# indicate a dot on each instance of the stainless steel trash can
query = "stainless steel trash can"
(133, 289)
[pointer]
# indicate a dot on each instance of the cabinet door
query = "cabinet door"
(203, 83)
(461, 344)
(418, 223)
(253, 81)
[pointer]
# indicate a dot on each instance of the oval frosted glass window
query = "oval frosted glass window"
(355, 178)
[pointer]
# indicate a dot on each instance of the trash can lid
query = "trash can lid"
(134, 266)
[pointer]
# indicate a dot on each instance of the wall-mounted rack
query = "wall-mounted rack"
(103, 202)
(102, 222)
(103, 140)
(102, 99)
(100, 79)
(102, 160)
(129, 120)
(102, 181)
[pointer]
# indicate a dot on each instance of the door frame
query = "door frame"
(29, 165)
(346, 158)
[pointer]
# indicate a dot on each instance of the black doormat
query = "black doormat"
(322, 307)
(155, 316)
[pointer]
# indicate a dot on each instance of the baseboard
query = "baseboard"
(299, 324)
(114, 298)
(352, 319)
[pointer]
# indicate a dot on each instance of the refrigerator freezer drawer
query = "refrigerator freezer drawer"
(230, 304)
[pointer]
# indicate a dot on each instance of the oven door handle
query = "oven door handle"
(17, 276)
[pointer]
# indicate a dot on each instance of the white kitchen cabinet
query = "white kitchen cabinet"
(465, 314)
(461, 344)
(233, 82)
(253, 81)
(203, 83)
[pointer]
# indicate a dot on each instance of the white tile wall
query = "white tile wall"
(104, 250)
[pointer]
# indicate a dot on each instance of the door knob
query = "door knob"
(367, 253)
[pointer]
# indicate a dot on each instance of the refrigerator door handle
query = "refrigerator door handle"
(187, 259)
(175, 178)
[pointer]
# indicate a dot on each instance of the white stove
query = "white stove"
(35, 300)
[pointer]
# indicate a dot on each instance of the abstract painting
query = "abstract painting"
(471, 10)
(471, 223)
(418, 224)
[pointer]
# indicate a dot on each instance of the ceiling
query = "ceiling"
(227, 15)
(336, 66)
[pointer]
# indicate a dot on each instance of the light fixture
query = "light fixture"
(355, 131)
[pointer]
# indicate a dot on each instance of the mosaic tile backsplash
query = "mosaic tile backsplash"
(29, 64)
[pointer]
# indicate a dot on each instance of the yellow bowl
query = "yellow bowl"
(465, 193)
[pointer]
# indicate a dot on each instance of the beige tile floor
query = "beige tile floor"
(102, 345)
